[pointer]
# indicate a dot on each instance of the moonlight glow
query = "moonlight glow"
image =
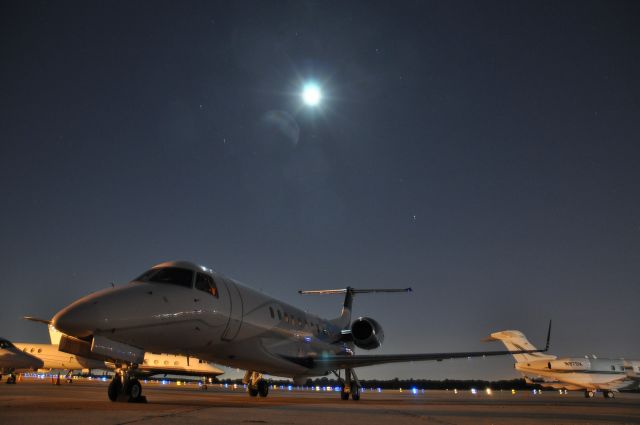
(311, 94)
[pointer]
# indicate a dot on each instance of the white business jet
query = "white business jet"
(153, 364)
(13, 360)
(570, 373)
(184, 308)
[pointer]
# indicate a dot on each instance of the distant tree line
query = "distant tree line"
(422, 384)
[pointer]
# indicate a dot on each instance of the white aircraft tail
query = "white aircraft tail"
(344, 320)
(54, 334)
(517, 341)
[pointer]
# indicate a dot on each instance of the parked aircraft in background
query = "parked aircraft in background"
(13, 360)
(570, 373)
(184, 308)
(153, 364)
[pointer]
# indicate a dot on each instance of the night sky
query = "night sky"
(485, 153)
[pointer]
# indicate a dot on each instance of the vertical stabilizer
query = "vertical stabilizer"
(516, 341)
(54, 335)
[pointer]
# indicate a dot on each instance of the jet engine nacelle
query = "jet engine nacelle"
(569, 364)
(367, 333)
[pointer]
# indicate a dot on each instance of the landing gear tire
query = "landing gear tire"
(115, 388)
(608, 394)
(263, 388)
(589, 394)
(11, 379)
(355, 393)
(133, 389)
(253, 391)
(344, 395)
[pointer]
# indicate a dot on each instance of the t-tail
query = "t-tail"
(54, 334)
(344, 320)
(517, 341)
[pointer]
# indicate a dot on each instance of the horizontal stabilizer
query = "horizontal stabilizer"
(352, 290)
(35, 319)
(344, 320)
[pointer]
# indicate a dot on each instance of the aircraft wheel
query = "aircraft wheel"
(263, 388)
(344, 395)
(608, 394)
(355, 393)
(115, 387)
(253, 391)
(589, 394)
(133, 389)
(11, 379)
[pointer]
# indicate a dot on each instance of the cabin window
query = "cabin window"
(206, 283)
(166, 363)
(32, 350)
(273, 316)
(170, 275)
(39, 350)
(155, 362)
(176, 363)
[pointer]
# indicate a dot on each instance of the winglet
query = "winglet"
(546, 348)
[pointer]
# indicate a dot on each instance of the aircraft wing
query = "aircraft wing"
(346, 361)
(333, 362)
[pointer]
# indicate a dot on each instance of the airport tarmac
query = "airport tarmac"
(36, 401)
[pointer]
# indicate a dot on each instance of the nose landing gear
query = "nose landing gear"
(11, 379)
(126, 387)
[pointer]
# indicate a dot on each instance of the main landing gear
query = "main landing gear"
(350, 385)
(125, 387)
(608, 394)
(256, 384)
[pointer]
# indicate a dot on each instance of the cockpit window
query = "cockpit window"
(5, 344)
(170, 275)
(207, 284)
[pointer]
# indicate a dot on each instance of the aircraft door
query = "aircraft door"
(236, 310)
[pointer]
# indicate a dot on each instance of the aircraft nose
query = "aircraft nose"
(86, 315)
(78, 319)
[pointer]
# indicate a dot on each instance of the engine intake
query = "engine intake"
(367, 333)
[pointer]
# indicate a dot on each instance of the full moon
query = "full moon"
(311, 94)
